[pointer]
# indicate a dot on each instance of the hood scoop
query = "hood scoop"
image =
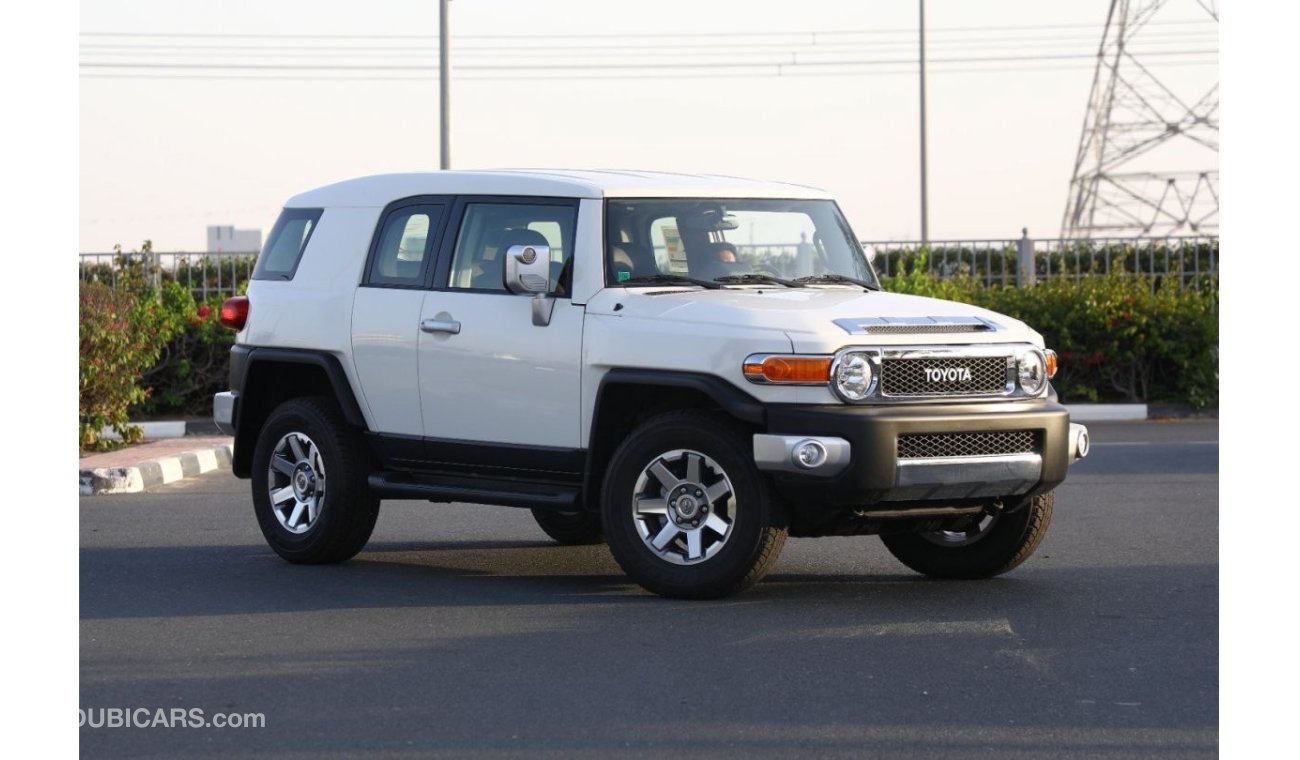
(916, 325)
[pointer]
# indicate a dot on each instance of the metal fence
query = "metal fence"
(206, 275)
(1189, 260)
(1192, 261)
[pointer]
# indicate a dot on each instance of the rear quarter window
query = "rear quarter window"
(287, 241)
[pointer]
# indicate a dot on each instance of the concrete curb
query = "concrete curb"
(1135, 412)
(161, 429)
(154, 472)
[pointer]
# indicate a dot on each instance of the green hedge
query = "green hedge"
(121, 335)
(1117, 340)
(146, 352)
(194, 361)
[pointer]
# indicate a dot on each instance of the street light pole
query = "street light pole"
(925, 201)
(444, 81)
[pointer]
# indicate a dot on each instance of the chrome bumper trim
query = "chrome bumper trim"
(776, 452)
(223, 411)
(965, 477)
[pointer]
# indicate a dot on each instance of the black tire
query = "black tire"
(569, 528)
(755, 519)
(1006, 542)
(344, 514)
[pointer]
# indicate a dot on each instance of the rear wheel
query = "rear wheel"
(309, 483)
(569, 528)
(986, 545)
(686, 511)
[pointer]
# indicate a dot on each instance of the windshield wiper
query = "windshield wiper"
(756, 277)
(817, 278)
(671, 279)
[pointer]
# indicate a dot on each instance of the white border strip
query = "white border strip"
(1106, 412)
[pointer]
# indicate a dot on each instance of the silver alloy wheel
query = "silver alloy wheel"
(978, 528)
(296, 482)
(684, 507)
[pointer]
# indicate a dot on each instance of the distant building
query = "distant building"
(225, 238)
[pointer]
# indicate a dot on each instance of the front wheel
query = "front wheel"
(686, 512)
(987, 545)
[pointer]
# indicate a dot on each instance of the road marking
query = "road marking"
(990, 627)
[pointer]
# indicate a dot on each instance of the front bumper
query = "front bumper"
(872, 473)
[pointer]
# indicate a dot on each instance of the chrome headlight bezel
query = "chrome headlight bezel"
(866, 361)
(1031, 371)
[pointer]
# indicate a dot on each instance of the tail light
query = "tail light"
(234, 312)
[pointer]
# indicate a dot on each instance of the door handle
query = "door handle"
(450, 326)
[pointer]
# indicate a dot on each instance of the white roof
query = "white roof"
(382, 189)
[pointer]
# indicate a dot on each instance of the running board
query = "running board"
(504, 493)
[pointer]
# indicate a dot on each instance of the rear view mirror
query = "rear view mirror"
(528, 268)
(708, 219)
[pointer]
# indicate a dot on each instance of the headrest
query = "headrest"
(621, 256)
(521, 236)
(634, 255)
(717, 248)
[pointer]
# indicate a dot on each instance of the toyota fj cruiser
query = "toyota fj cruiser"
(689, 367)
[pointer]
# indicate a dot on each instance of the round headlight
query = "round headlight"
(1032, 372)
(852, 376)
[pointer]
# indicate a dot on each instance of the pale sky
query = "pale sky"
(162, 157)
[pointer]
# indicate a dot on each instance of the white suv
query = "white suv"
(689, 367)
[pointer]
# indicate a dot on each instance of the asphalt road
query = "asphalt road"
(461, 630)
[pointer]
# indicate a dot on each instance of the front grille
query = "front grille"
(936, 445)
(908, 377)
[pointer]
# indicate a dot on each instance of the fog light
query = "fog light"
(809, 454)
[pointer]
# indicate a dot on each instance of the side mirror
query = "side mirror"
(870, 250)
(528, 268)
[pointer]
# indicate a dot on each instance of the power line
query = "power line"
(578, 76)
(607, 35)
(688, 48)
(603, 44)
(787, 56)
(571, 66)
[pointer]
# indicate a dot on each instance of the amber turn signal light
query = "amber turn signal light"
(809, 370)
(1051, 363)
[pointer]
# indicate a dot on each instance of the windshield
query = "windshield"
(732, 241)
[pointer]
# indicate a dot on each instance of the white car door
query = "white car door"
(488, 374)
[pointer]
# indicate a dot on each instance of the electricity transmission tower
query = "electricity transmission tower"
(1136, 126)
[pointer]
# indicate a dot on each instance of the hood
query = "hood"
(819, 320)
